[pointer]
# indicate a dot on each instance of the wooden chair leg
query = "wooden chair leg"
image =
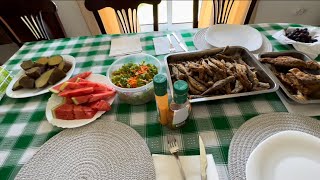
(155, 18)
(9, 32)
(195, 13)
(250, 11)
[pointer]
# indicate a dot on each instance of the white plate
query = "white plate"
(222, 35)
(55, 100)
(200, 43)
(199, 40)
(24, 93)
(288, 155)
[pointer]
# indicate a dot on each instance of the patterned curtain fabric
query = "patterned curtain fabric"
(237, 15)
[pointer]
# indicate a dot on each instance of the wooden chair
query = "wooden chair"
(126, 12)
(30, 20)
(221, 15)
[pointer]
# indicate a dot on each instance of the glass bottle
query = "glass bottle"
(161, 96)
(180, 107)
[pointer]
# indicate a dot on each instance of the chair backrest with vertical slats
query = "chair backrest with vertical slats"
(30, 20)
(221, 10)
(126, 13)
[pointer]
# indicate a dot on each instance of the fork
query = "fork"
(174, 148)
(171, 49)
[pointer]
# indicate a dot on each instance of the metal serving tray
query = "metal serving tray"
(247, 57)
(295, 54)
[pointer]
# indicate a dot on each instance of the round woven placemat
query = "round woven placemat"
(257, 129)
(101, 150)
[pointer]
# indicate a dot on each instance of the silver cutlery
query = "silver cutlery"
(171, 49)
(174, 148)
(180, 43)
(203, 160)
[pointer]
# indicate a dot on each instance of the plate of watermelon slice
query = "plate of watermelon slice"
(80, 100)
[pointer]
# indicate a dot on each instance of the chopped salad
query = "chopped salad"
(132, 75)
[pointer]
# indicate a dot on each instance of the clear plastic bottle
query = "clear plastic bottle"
(180, 107)
(161, 96)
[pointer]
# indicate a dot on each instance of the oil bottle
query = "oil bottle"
(180, 106)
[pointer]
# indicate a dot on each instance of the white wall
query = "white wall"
(292, 11)
(71, 18)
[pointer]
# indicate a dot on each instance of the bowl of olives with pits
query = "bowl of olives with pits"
(300, 35)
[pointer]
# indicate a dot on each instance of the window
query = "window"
(182, 11)
(147, 9)
(172, 15)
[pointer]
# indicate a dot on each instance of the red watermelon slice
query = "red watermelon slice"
(101, 105)
(93, 97)
(81, 99)
(83, 112)
(73, 112)
(78, 85)
(76, 92)
(56, 89)
(106, 86)
(67, 100)
(64, 111)
(102, 95)
(89, 111)
(82, 80)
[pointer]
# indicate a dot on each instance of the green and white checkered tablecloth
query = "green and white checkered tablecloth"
(24, 128)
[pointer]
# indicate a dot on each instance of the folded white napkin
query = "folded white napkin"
(125, 45)
(311, 49)
(167, 168)
(302, 109)
(162, 45)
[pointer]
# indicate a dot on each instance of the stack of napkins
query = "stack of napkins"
(167, 168)
(125, 45)
(162, 45)
(311, 49)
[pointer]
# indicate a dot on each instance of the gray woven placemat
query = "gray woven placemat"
(101, 150)
(257, 129)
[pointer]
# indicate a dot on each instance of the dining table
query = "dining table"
(24, 127)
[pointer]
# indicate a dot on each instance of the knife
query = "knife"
(180, 43)
(203, 160)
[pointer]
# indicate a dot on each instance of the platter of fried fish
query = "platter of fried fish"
(219, 73)
(298, 75)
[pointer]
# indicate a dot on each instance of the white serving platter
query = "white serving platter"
(24, 93)
(55, 100)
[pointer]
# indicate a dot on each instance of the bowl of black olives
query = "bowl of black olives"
(300, 35)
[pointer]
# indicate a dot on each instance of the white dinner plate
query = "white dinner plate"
(24, 93)
(222, 35)
(288, 155)
(55, 100)
(200, 43)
